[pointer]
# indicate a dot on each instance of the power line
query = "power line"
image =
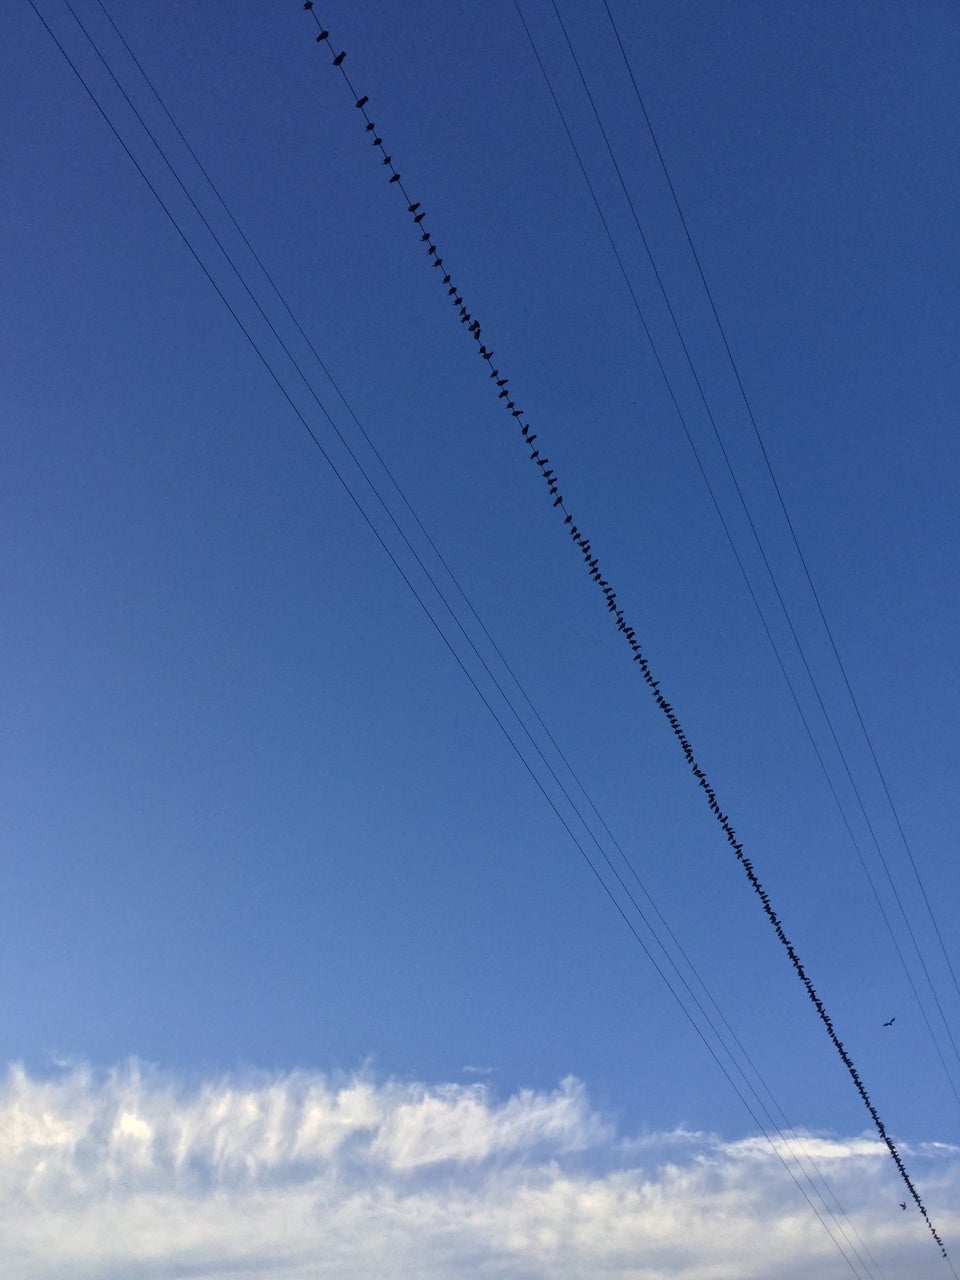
(394, 178)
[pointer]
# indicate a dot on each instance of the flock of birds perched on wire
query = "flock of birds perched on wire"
(504, 395)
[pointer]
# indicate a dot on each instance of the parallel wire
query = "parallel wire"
(784, 1138)
(629, 633)
(783, 605)
(780, 498)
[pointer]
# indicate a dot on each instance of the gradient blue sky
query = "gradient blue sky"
(255, 816)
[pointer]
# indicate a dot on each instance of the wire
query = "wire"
(666, 708)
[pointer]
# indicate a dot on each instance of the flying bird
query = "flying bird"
(902, 1205)
(891, 1022)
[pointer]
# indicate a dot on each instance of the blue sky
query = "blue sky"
(262, 834)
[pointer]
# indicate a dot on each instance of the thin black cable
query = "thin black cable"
(786, 613)
(666, 708)
(785, 1138)
(780, 498)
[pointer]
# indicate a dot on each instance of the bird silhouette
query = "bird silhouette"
(339, 58)
(891, 1022)
(902, 1205)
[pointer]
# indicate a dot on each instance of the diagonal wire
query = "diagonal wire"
(394, 178)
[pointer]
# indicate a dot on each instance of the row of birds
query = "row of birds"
(415, 209)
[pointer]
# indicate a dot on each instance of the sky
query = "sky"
(312, 960)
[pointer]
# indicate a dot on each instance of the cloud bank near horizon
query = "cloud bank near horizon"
(134, 1173)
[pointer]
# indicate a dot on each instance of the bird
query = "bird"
(340, 57)
(902, 1205)
(362, 102)
(891, 1022)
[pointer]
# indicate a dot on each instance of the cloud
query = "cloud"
(136, 1174)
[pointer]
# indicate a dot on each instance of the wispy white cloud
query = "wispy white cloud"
(134, 1174)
